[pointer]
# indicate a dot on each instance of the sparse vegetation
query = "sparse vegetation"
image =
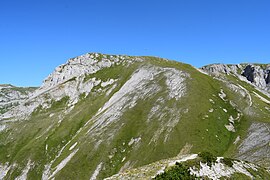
(177, 172)
(208, 158)
(227, 161)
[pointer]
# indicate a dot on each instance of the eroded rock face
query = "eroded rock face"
(259, 75)
(217, 69)
(256, 146)
(267, 80)
(85, 64)
(11, 96)
(249, 73)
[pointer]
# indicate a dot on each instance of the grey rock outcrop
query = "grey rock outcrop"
(249, 73)
(11, 96)
(267, 80)
(218, 69)
(257, 74)
(82, 65)
(258, 138)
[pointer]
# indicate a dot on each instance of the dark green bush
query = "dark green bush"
(227, 161)
(208, 158)
(177, 172)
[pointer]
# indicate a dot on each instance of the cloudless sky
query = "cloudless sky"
(38, 35)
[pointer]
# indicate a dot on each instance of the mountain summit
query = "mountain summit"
(98, 115)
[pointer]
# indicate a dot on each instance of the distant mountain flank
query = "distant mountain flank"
(11, 96)
(257, 74)
(99, 115)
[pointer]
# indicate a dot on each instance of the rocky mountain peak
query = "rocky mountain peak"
(85, 64)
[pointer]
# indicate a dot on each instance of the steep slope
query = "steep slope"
(253, 81)
(100, 114)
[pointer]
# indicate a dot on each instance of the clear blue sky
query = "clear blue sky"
(38, 35)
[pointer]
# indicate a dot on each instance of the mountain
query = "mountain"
(98, 115)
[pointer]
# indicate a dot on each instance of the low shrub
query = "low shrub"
(208, 158)
(177, 172)
(227, 161)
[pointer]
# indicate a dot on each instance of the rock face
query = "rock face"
(249, 73)
(258, 138)
(267, 80)
(254, 73)
(83, 65)
(98, 115)
(11, 96)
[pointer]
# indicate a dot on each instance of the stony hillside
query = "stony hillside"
(98, 115)
(11, 96)
(253, 81)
